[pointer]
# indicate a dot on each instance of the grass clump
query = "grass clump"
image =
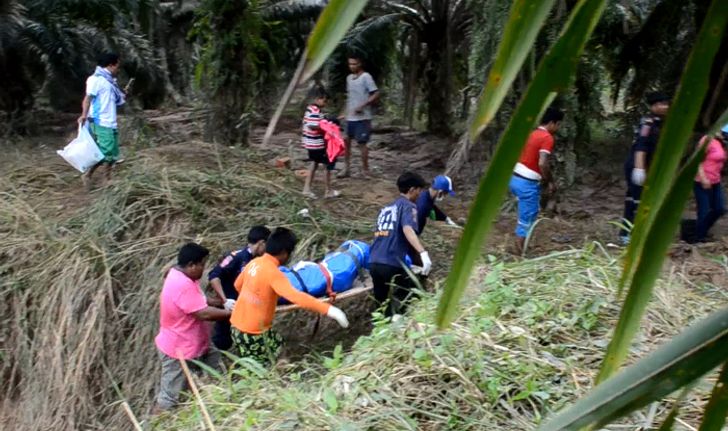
(529, 340)
(80, 274)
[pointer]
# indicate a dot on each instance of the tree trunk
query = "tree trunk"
(713, 101)
(225, 125)
(438, 69)
(410, 85)
(230, 72)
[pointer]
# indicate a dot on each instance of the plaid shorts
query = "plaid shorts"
(263, 348)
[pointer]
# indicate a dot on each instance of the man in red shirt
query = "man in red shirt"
(531, 171)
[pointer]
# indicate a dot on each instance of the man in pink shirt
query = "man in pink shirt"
(184, 331)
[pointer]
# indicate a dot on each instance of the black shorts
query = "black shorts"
(320, 156)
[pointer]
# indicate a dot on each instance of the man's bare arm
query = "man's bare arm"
(217, 287)
(85, 105)
(413, 239)
(545, 167)
(212, 313)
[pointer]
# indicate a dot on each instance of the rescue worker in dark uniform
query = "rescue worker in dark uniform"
(223, 275)
(643, 149)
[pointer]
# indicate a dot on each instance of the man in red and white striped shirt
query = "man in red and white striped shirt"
(313, 141)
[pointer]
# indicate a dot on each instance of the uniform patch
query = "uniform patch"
(225, 262)
(645, 130)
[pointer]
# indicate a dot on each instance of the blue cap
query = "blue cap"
(724, 129)
(443, 183)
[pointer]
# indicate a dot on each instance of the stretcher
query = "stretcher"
(361, 289)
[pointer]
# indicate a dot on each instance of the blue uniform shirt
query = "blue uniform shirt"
(425, 208)
(646, 136)
(229, 269)
(390, 245)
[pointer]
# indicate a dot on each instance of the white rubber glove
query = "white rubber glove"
(451, 222)
(229, 304)
(426, 263)
(638, 176)
(338, 315)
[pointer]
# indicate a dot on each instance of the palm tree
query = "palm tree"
(17, 89)
(428, 39)
(638, 46)
(248, 50)
(435, 32)
(51, 46)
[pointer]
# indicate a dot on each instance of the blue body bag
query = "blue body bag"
(340, 268)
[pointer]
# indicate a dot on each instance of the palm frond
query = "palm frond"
(293, 10)
(364, 31)
(372, 41)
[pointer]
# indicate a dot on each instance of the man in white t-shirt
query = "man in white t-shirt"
(99, 105)
(361, 93)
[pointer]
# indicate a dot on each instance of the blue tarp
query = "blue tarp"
(343, 265)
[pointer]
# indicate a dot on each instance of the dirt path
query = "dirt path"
(584, 212)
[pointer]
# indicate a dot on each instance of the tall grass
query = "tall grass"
(525, 344)
(81, 275)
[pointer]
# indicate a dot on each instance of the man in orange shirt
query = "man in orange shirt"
(533, 170)
(259, 286)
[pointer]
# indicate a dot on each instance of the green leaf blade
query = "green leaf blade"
(717, 408)
(669, 423)
(333, 23)
(662, 198)
(648, 269)
(555, 72)
(695, 352)
(676, 134)
(335, 20)
(525, 20)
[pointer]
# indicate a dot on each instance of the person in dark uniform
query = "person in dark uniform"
(643, 149)
(222, 279)
(396, 231)
(427, 208)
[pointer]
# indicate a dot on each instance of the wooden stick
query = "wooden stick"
(132, 417)
(285, 99)
(356, 291)
(193, 386)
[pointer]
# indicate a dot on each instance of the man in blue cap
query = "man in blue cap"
(426, 208)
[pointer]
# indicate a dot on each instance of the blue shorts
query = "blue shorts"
(528, 193)
(360, 131)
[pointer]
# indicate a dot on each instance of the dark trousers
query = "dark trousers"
(392, 286)
(631, 202)
(221, 337)
(711, 206)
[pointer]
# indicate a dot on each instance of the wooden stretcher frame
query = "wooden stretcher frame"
(354, 291)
